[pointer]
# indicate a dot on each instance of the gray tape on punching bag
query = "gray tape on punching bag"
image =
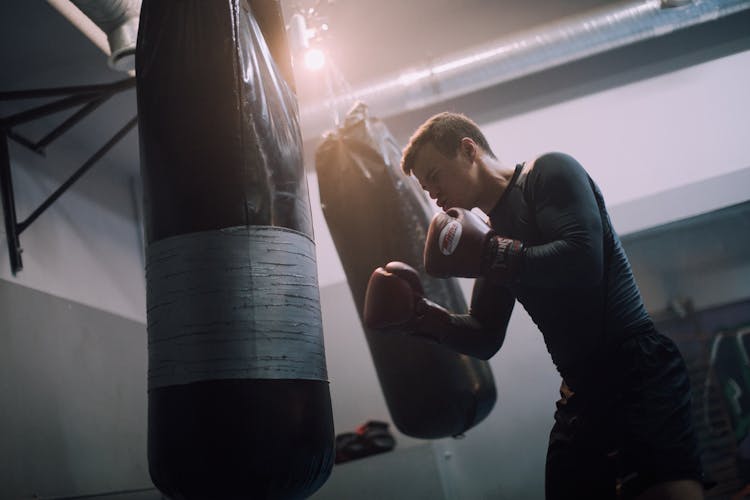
(237, 303)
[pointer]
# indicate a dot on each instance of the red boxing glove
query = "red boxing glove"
(395, 298)
(395, 301)
(455, 244)
(392, 296)
(459, 243)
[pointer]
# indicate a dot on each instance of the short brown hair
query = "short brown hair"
(444, 131)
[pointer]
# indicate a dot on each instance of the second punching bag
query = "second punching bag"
(377, 215)
(239, 403)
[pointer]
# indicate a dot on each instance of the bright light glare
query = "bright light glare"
(314, 59)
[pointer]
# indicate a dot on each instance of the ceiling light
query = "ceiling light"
(314, 59)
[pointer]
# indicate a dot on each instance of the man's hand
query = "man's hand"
(395, 298)
(459, 243)
(392, 296)
(455, 244)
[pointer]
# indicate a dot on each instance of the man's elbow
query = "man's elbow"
(491, 348)
(485, 355)
(588, 271)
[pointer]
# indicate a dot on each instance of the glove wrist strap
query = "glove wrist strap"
(502, 259)
(430, 320)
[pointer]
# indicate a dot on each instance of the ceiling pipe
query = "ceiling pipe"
(522, 54)
(111, 24)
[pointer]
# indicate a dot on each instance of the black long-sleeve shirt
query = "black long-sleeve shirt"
(576, 282)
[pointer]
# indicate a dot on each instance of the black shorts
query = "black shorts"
(626, 426)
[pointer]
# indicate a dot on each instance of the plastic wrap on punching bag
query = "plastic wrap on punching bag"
(239, 402)
(376, 215)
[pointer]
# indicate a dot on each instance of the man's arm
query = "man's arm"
(568, 218)
(395, 301)
(480, 333)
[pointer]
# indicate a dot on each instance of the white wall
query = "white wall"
(646, 137)
(73, 390)
(86, 246)
(72, 398)
(703, 259)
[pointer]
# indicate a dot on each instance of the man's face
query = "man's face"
(447, 180)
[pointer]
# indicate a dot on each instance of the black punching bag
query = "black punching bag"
(239, 403)
(377, 215)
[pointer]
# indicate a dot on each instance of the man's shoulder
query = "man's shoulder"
(553, 164)
(556, 159)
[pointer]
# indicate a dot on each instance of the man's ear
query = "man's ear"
(469, 148)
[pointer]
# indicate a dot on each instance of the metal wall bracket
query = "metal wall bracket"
(89, 98)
